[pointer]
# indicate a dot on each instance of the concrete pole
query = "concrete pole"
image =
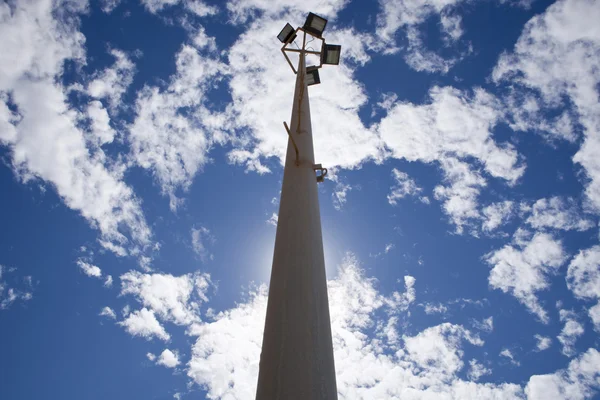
(296, 362)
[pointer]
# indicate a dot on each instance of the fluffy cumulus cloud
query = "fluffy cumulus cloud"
(558, 213)
(578, 381)
(112, 82)
(543, 342)
(571, 331)
(41, 130)
(477, 370)
(427, 363)
(174, 299)
(241, 10)
(174, 129)
(556, 56)
(508, 354)
(452, 130)
(340, 194)
(385, 365)
(409, 15)
(583, 279)
(168, 359)
(403, 186)
(108, 313)
(89, 269)
(523, 268)
(144, 323)
(583, 275)
(197, 7)
(495, 215)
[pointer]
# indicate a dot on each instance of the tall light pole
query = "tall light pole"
(297, 353)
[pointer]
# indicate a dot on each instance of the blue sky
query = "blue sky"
(142, 148)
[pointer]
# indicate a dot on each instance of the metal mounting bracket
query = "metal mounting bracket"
(323, 171)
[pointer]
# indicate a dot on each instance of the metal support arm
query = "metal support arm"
(293, 142)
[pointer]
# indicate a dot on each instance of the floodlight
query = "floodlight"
(287, 34)
(315, 24)
(331, 54)
(312, 76)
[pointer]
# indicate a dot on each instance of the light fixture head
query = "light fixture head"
(331, 54)
(312, 75)
(315, 24)
(287, 34)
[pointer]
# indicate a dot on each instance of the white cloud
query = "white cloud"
(226, 353)
(526, 112)
(460, 197)
(486, 325)
(510, 356)
(173, 129)
(43, 134)
(108, 313)
(583, 275)
(578, 381)
(198, 7)
(522, 269)
(108, 6)
(339, 195)
(543, 342)
(437, 349)
(242, 10)
(168, 359)
(150, 356)
(108, 281)
(273, 219)
(477, 370)
(583, 279)
(89, 269)
(404, 186)
(594, 314)
(432, 308)
(112, 82)
(570, 332)
(388, 247)
(410, 15)
(386, 103)
(173, 298)
(201, 240)
(402, 13)
(9, 295)
(39, 42)
(558, 213)
(556, 56)
(144, 323)
(421, 59)
(100, 130)
(495, 215)
(452, 125)
(455, 130)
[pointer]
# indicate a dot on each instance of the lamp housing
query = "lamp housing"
(287, 34)
(312, 75)
(331, 54)
(315, 25)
